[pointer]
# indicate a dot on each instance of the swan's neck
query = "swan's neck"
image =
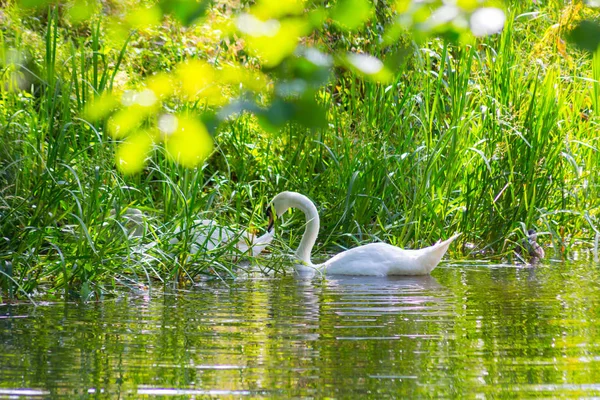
(312, 228)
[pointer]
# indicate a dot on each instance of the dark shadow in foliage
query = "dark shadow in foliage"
(586, 35)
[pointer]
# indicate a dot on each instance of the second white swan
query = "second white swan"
(379, 259)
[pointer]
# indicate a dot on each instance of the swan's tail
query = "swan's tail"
(432, 255)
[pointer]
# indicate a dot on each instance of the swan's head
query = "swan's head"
(284, 201)
(277, 206)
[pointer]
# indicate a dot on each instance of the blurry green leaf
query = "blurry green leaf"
(274, 42)
(369, 66)
(586, 35)
(312, 66)
(100, 107)
(293, 87)
(397, 59)
(236, 108)
(392, 33)
(132, 153)
(316, 17)
(143, 17)
(33, 3)
(211, 121)
(421, 14)
(124, 121)
(450, 34)
(185, 11)
(352, 14)
(403, 6)
(268, 9)
(276, 115)
(309, 113)
(190, 144)
(304, 111)
(117, 31)
(82, 10)
(468, 5)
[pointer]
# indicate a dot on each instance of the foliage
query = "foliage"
(395, 137)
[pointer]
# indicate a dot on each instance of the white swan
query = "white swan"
(133, 222)
(206, 234)
(379, 259)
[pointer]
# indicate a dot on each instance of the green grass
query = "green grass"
(486, 140)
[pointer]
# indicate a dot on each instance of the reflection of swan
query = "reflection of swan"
(377, 284)
(207, 235)
(372, 259)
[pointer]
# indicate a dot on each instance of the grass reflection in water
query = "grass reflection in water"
(466, 331)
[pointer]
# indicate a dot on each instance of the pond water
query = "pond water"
(466, 331)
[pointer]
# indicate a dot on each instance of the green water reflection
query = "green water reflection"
(467, 331)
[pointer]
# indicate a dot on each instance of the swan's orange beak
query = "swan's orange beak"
(269, 213)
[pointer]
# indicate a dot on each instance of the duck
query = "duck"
(374, 259)
(529, 247)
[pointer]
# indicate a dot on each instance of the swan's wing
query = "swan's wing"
(377, 259)
(256, 244)
(208, 235)
(262, 242)
(204, 234)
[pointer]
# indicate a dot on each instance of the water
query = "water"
(467, 331)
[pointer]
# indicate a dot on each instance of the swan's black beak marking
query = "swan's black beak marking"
(269, 213)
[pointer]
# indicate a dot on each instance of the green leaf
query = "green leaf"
(33, 3)
(396, 59)
(309, 113)
(186, 11)
(277, 114)
(586, 35)
(312, 66)
(352, 14)
(304, 111)
(368, 66)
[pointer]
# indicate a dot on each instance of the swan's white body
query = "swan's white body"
(206, 235)
(379, 259)
(133, 222)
